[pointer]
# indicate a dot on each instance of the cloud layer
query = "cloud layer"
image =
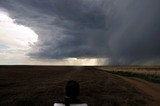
(125, 31)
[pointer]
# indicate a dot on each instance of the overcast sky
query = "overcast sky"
(79, 32)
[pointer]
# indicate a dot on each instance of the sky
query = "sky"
(80, 32)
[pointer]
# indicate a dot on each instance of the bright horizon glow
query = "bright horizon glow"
(70, 61)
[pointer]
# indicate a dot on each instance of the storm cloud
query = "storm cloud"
(125, 31)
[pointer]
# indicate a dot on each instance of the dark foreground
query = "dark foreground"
(42, 86)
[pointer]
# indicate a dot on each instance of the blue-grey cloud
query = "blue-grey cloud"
(125, 31)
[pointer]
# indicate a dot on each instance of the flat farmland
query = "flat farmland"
(141, 69)
(148, 73)
(44, 85)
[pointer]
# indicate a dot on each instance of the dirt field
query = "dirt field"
(42, 86)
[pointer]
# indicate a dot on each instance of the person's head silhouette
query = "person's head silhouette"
(72, 89)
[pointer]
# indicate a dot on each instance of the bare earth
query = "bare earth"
(151, 89)
(42, 86)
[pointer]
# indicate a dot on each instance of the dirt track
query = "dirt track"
(151, 89)
(42, 86)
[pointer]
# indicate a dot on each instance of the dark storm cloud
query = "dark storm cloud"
(127, 32)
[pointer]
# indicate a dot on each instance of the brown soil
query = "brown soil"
(42, 86)
(151, 89)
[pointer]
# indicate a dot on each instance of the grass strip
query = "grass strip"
(147, 77)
